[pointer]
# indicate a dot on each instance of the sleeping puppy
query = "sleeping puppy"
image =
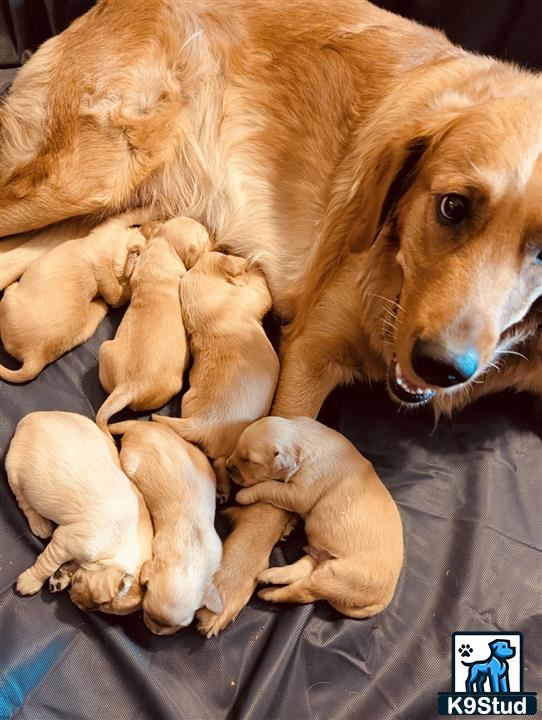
(64, 471)
(354, 529)
(188, 237)
(235, 370)
(56, 304)
(143, 366)
(179, 487)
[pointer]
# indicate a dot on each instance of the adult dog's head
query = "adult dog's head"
(452, 201)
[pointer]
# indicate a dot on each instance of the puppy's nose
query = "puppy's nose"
(439, 366)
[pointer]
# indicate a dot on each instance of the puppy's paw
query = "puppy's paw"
(61, 579)
(222, 495)
(270, 594)
(235, 594)
(247, 496)
(272, 576)
(210, 624)
(28, 584)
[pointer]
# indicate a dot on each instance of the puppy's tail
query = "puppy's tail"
(117, 401)
(188, 428)
(121, 428)
(28, 371)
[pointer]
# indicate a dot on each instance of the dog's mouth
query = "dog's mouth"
(405, 391)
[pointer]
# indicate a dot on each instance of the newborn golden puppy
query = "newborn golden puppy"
(179, 487)
(235, 369)
(188, 237)
(143, 366)
(64, 471)
(56, 304)
(354, 529)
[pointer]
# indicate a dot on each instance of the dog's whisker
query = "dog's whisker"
(393, 302)
(512, 352)
(495, 366)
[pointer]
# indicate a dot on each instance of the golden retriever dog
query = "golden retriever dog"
(57, 304)
(179, 487)
(235, 368)
(65, 472)
(143, 366)
(188, 237)
(355, 551)
(387, 181)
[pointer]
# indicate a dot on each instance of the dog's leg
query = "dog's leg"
(283, 495)
(307, 377)
(286, 574)
(17, 252)
(298, 592)
(245, 555)
(40, 526)
(55, 554)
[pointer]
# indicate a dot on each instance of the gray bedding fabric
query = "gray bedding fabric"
(469, 493)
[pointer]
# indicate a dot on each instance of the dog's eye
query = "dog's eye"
(452, 208)
(538, 257)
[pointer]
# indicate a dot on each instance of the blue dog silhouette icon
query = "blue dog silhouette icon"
(495, 668)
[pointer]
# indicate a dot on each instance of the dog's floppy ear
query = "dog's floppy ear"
(234, 269)
(212, 599)
(145, 572)
(285, 462)
(131, 261)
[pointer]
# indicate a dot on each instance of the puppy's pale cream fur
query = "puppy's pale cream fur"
(235, 369)
(64, 471)
(57, 304)
(143, 366)
(189, 238)
(179, 488)
(354, 529)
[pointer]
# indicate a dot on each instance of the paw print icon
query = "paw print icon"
(465, 650)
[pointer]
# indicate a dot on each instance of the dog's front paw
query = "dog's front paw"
(271, 594)
(61, 579)
(247, 496)
(222, 496)
(235, 594)
(28, 584)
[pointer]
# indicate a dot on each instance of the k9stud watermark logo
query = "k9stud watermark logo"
(487, 676)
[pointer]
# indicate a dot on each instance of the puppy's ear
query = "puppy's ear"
(131, 262)
(285, 462)
(234, 269)
(145, 572)
(150, 229)
(125, 584)
(212, 599)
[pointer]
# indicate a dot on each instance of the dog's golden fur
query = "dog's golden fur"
(235, 368)
(60, 299)
(179, 488)
(312, 136)
(143, 366)
(66, 476)
(353, 527)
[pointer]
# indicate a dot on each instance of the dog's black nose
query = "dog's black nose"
(438, 366)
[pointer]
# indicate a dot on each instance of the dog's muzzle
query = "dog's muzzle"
(405, 391)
